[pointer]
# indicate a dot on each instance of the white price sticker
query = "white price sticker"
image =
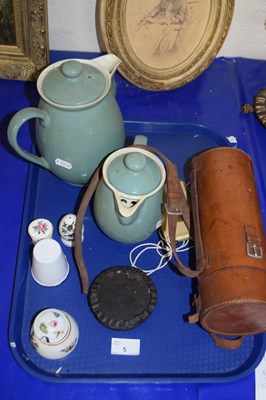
(260, 377)
(125, 347)
(63, 163)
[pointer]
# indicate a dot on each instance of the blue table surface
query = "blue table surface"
(213, 99)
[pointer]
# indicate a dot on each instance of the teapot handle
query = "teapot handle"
(16, 122)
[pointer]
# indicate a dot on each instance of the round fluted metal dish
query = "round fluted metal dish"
(122, 298)
(259, 106)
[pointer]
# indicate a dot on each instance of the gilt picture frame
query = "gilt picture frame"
(24, 47)
(163, 44)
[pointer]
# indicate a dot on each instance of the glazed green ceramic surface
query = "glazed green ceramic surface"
(108, 219)
(128, 199)
(134, 174)
(74, 143)
(74, 83)
(78, 121)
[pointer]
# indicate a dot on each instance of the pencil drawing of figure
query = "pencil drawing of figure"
(170, 17)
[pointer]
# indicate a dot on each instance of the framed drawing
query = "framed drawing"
(163, 44)
(23, 38)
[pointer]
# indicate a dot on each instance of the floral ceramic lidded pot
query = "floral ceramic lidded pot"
(54, 334)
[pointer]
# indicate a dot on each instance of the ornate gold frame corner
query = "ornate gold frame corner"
(30, 55)
(115, 19)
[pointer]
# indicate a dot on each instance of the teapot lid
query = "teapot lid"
(73, 83)
(135, 172)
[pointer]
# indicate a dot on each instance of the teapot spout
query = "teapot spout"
(109, 62)
(129, 213)
(127, 220)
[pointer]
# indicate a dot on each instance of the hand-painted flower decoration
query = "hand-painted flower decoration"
(40, 228)
(53, 324)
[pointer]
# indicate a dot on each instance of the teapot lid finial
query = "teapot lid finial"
(71, 69)
(135, 161)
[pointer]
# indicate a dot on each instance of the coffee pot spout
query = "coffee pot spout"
(127, 212)
(110, 62)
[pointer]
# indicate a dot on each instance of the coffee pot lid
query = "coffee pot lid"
(135, 173)
(73, 83)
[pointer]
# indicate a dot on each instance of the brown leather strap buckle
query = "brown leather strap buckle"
(176, 212)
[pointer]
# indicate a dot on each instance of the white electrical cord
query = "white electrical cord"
(162, 248)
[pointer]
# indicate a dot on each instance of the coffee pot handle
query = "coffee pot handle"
(16, 122)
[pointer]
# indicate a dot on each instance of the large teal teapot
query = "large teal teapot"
(129, 196)
(78, 121)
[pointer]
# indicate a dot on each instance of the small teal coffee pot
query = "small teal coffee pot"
(128, 199)
(78, 121)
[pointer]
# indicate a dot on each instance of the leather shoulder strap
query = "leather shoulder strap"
(230, 344)
(176, 208)
(83, 273)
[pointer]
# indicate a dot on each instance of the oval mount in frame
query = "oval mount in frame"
(163, 44)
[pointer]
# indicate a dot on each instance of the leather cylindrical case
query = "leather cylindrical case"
(230, 243)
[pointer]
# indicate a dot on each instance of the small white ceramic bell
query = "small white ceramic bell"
(66, 229)
(39, 229)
